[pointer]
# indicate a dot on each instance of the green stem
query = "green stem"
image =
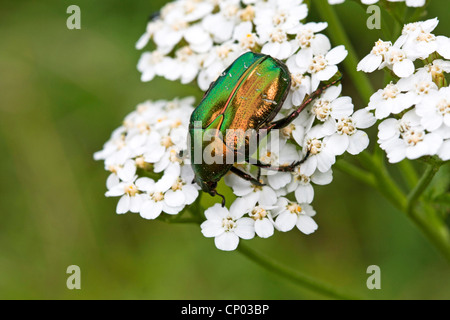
(415, 194)
(357, 173)
(409, 174)
(424, 217)
(294, 276)
(433, 228)
(339, 36)
(384, 182)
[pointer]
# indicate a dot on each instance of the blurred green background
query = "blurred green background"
(62, 92)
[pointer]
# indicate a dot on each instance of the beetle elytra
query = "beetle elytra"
(247, 96)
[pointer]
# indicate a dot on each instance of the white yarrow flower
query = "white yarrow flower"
(227, 227)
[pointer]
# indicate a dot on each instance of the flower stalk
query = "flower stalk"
(294, 276)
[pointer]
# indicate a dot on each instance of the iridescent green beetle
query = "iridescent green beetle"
(246, 97)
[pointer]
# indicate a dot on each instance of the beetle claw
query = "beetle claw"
(223, 199)
(259, 184)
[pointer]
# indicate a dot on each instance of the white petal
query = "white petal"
(174, 198)
(151, 210)
(145, 184)
(212, 228)
(444, 152)
(417, 151)
(325, 160)
(191, 193)
(358, 142)
(327, 73)
(172, 210)
(286, 221)
(364, 119)
(397, 153)
(306, 224)
(128, 171)
(117, 190)
(310, 166)
(434, 142)
(264, 228)
(245, 228)
(123, 206)
(216, 212)
(322, 178)
(112, 181)
(135, 203)
(239, 207)
(268, 196)
(279, 180)
(370, 63)
(336, 55)
(388, 129)
(227, 241)
(304, 193)
(404, 68)
(341, 107)
(338, 143)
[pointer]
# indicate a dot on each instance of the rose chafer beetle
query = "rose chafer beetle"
(246, 97)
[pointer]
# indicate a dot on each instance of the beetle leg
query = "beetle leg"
(259, 175)
(246, 176)
(285, 168)
(287, 120)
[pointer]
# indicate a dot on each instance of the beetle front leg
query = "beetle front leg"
(279, 124)
(285, 168)
(246, 176)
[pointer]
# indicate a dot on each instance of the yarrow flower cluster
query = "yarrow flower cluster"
(196, 40)
(409, 3)
(416, 108)
(142, 155)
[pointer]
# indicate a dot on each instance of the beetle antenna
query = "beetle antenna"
(223, 199)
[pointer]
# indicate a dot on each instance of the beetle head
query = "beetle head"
(210, 187)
